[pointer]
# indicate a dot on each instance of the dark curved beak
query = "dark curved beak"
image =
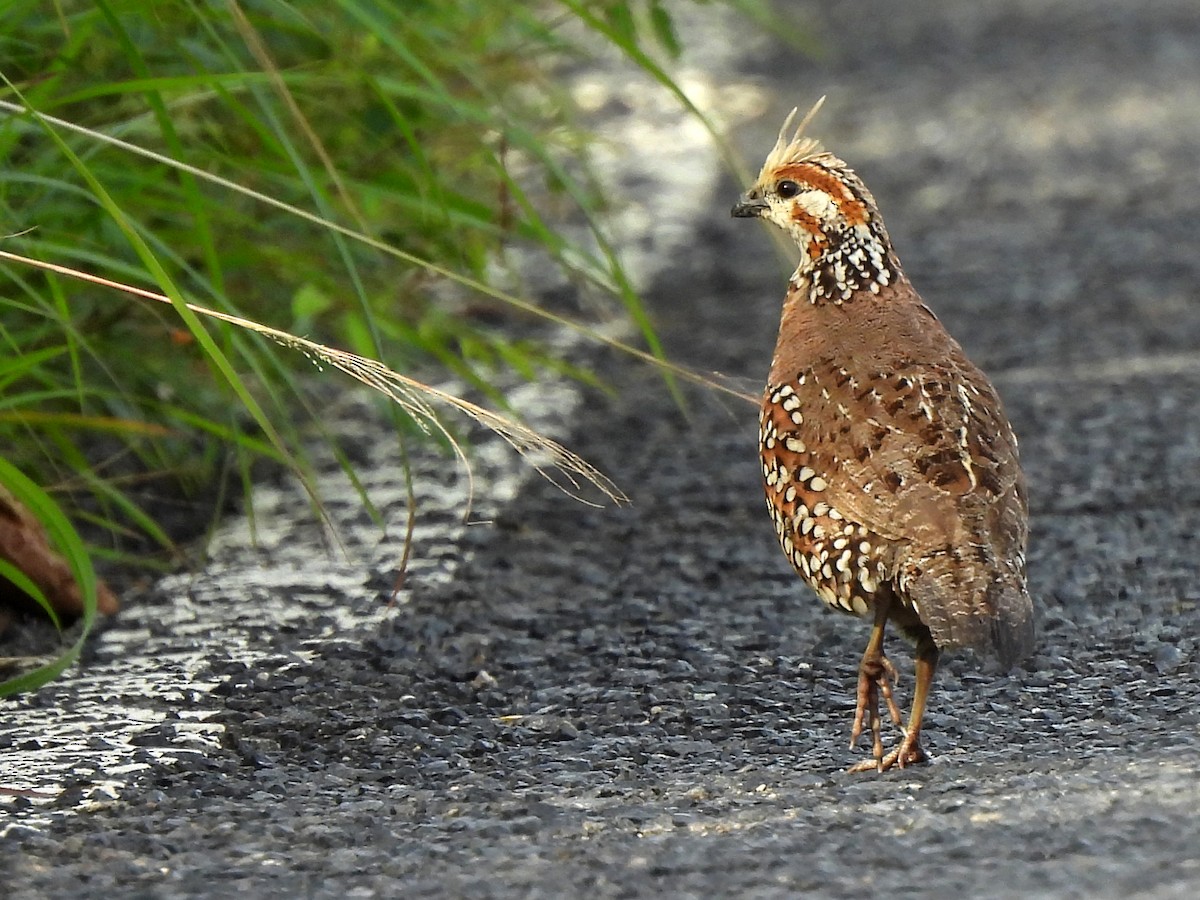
(749, 207)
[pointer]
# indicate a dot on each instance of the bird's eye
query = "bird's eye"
(787, 189)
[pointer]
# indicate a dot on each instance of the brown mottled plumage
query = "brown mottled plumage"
(891, 470)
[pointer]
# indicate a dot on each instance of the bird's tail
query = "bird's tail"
(989, 611)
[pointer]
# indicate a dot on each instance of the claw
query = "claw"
(904, 755)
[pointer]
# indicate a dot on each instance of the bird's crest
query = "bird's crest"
(798, 148)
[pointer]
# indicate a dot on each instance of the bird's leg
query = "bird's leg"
(910, 750)
(875, 676)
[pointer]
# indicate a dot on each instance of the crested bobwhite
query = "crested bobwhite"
(891, 471)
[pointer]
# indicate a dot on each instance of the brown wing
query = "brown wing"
(922, 455)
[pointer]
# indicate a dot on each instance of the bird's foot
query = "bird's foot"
(908, 753)
(875, 676)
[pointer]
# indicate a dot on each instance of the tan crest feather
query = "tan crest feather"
(798, 148)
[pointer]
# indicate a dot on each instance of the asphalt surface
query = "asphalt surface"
(646, 701)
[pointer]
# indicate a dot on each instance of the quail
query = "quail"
(891, 471)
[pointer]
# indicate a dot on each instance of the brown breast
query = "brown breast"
(889, 464)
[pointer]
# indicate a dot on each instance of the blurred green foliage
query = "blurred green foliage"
(439, 127)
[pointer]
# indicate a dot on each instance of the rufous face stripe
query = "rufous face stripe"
(851, 207)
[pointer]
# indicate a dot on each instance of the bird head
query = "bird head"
(817, 199)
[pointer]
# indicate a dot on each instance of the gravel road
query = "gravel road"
(646, 701)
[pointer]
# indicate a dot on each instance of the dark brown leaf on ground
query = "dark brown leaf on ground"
(23, 543)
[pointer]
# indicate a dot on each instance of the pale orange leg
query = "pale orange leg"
(909, 751)
(875, 676)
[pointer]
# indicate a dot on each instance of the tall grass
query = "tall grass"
(353, 171)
